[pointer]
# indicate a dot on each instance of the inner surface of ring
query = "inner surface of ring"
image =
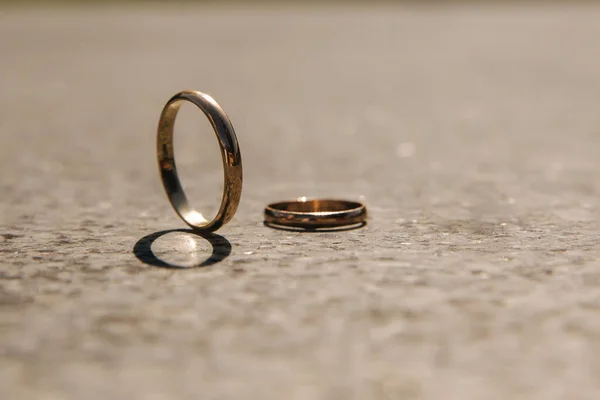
(316, 206)
(199, 164)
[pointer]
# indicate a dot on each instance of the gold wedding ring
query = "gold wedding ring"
(230, 151)
(316, 214)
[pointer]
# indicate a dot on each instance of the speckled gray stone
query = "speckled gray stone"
(472, 134)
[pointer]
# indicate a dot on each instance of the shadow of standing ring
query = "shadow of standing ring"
(221, 248)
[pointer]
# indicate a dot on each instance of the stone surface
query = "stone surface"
(472, 133)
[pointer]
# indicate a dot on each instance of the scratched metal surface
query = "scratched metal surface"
(471, 133)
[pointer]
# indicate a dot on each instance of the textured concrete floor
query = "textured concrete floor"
(473, 135)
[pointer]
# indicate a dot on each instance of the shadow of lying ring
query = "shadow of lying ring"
(288, 228)
(221, 249)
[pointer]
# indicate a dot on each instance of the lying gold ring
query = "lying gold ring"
(230, 151)
(315, 214)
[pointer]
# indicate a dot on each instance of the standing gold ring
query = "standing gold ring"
(315, 214)
(230, 151)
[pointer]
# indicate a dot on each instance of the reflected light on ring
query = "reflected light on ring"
(195, 217)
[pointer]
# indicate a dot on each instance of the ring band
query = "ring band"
(230, 151)
(314, 214)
